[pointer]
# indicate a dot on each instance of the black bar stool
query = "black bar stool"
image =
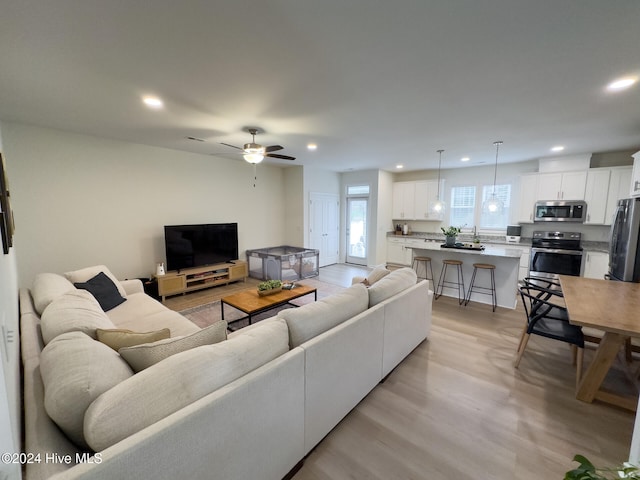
(443, 282)
(483, 290)
(426, 261)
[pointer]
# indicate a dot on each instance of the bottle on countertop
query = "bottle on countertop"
(405, 229)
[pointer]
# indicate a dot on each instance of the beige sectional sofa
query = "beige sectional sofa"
(249, 406)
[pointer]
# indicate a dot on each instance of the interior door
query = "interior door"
(324, 226)
(357, 210)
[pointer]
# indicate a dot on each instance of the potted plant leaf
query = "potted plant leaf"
(450, 235)
(587, 471)
(269, 287)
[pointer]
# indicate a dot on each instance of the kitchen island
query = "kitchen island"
(506, 260)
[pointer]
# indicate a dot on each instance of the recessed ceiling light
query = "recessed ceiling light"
(399, 166)
(557, 148)
(312, 146)
(465, 159)
(152, 102)
(621, 84)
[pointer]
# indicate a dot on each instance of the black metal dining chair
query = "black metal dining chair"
(549, 319)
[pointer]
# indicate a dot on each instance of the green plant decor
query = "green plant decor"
(587, 471)
(269, 285)
(451, 231)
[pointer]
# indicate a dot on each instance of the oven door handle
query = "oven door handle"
(552, 250)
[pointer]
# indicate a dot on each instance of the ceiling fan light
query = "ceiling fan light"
(253, 157)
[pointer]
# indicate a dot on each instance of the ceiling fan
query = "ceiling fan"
(254, 153)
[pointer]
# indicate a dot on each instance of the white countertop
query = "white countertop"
(489, 251)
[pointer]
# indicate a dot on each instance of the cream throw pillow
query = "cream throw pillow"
(118, 338)
(142, 356)
(85, 274)
(47, 287)
(377, 273)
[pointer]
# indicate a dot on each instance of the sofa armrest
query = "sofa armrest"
(132, 286)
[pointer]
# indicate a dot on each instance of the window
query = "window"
(463, 203)
(465, 209)
(493, 221)
(358, 190)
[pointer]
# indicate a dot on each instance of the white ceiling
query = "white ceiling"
(373, 83)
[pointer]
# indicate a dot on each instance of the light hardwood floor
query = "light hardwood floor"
(456, 407)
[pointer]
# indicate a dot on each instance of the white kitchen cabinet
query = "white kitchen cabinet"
(562, 186)
(596, 194)
(618, 189)
(426, 192)
(596, 265)
(523, 269)
(635, 177)
(403, 202)
(528, 195)
(397, 251)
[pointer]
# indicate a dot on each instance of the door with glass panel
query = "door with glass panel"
(357, 215)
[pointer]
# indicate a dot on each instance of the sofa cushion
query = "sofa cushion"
(47, 287)
(143, 356)
(73, 311)
(76, 370)
(141, 313)
(87, 273)
(312, 319)
(118, 338)
(395, 282)
(178, 381)
(103, 290)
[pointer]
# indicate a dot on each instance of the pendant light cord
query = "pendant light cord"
(439, 163)
(495, 170)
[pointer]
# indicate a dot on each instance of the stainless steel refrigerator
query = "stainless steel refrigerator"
(624, 246)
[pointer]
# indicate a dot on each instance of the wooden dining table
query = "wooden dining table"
(614, 308)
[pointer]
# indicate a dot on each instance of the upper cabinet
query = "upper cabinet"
(562, 186)
(528, 197)
(548, 186)
(411, 200)
(404, 194)
(635, 178)
(596, 195)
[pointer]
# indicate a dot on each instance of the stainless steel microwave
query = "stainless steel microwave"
(560, 211)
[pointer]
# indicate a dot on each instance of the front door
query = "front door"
(357, 208)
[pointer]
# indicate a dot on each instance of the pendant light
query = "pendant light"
(437, 207)
(493, 205)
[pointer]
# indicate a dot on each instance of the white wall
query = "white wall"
(295, 206)
(82, 200)
(9, 349)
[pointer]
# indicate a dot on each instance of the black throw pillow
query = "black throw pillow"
(104, 291)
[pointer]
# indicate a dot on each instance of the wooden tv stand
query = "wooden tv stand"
(191, 279)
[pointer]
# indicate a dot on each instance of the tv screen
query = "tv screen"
(189, 246)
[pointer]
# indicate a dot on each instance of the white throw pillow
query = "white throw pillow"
(312, 319)
(178, 381)
(74, 311)
(85, 274)
(76, 370)
(143, 356)
(47, 287)
(377, 274)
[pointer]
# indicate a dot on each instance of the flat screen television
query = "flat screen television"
(190, 246)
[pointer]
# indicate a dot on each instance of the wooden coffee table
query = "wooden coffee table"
(250, 303)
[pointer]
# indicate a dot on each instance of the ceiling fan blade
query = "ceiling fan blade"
(232, 146)
(283, 157)
(273, 148)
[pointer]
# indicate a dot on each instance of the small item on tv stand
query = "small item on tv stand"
(160, 269)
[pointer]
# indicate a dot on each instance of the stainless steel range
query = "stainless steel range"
(555, 253)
